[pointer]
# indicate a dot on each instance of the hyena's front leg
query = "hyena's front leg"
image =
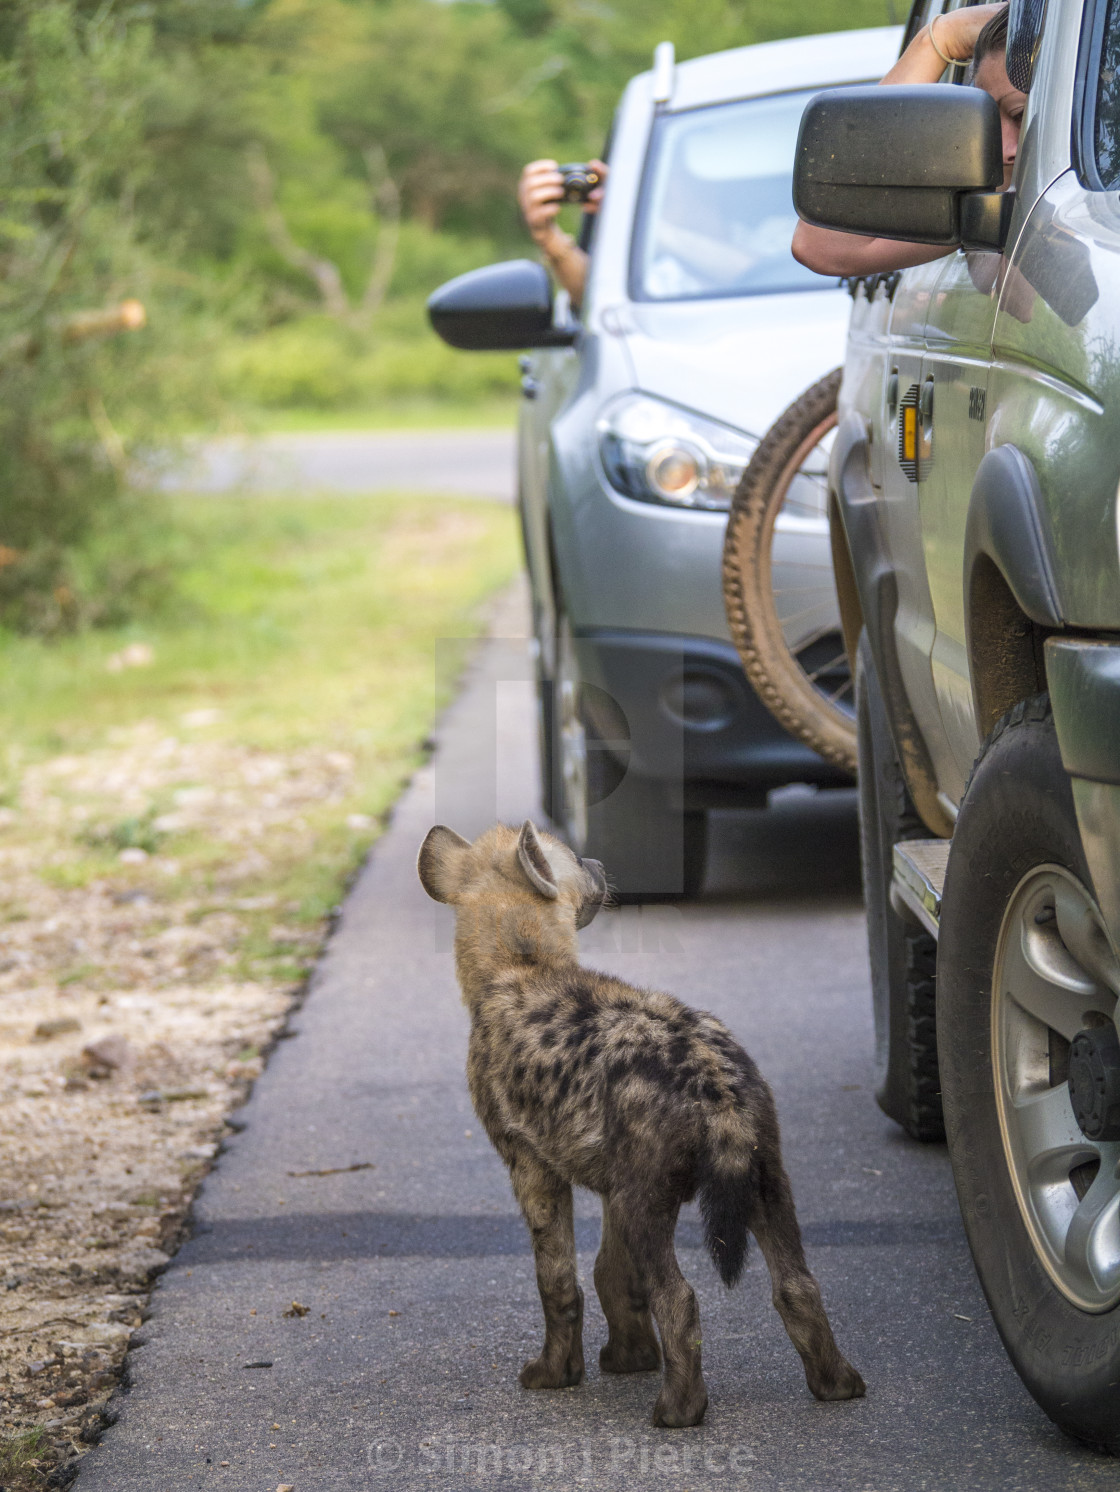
(546, 1202)
(624, 1295)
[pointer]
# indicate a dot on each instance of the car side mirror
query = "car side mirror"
(500, 308)
(906, 162)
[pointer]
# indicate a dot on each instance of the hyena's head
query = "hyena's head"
(510, 870)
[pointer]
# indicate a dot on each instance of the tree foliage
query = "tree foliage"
(241, 166)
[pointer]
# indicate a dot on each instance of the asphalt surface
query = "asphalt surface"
(417, 1273)
(469, 463)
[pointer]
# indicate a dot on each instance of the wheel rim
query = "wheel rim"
(573, 745)
(797, 566)
(1055, 975)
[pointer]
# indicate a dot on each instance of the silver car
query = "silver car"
(697, 329)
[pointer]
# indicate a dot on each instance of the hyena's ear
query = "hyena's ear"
(441, 862)
(534, 861)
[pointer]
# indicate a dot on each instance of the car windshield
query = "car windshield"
(717, 214)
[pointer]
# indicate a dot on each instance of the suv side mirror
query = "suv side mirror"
(902, 162)
(501, 308)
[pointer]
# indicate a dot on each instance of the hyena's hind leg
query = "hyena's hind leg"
(796, 1294)
(546, 1202)
(624, 1295)
(648, 1234)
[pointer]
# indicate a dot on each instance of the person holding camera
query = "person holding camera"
(543, 189)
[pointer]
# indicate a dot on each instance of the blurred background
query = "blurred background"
(280, 184)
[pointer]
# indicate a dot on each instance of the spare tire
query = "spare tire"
(778, 588)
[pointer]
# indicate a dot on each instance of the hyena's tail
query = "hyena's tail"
(728, 1193)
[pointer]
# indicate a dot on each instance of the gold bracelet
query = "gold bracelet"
(948, 61)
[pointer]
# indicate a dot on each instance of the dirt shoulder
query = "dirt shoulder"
(157, 922)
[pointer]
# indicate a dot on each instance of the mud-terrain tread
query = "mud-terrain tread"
(903, 957)
(924, 1119)
(1036, 708)
(766, 660)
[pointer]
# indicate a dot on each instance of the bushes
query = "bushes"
(316, 362)
(85, 225)
(242, 167)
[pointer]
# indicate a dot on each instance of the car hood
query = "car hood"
(740, 361)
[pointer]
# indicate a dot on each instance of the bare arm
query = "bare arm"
(539, 195)
(830, 252)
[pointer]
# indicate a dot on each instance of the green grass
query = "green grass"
(416, 414)
(303, 621)
(21, 1460)
(332, 624)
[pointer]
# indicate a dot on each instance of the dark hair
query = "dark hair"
(992, 39)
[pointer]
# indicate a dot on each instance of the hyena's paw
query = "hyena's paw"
(540, 1373)
(633, 1357)
(842, 1383)
(680, 1411)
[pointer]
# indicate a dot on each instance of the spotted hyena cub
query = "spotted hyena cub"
(583, 1080)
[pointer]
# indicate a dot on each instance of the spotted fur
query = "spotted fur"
(580, 1079)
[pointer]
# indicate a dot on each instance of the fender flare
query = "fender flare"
(854, 502)
(1009, 583)
(1007, 523)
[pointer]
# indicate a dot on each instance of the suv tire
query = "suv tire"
(903, 957)
(648, 849)
(1020, 933)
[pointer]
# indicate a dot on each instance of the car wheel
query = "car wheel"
(1030, 1061)
(903, 957)
(778, 589)
(603, 809)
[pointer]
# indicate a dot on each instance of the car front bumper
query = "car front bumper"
(679, 710)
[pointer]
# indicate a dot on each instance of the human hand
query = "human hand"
(540, 193)
(957, 30)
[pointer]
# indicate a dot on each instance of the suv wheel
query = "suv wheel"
(903, 957)
(1031, 1065)
(649, 849)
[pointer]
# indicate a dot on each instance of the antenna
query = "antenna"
(664, 61)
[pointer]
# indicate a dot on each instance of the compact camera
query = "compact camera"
(579, 181)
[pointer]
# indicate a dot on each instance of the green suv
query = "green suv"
(974, 506)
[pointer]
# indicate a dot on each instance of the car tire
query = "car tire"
(1023, 960)
(603, 809)
(809, 690)
(546, 738)
(903, 957)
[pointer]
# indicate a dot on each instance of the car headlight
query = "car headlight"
(659, 453)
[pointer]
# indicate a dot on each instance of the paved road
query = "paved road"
(418, 1276)
(472, 463)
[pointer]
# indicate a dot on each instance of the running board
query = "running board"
(919, 879)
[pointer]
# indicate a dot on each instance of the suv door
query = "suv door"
(930, 330)
(904, 456)
(953, 417)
